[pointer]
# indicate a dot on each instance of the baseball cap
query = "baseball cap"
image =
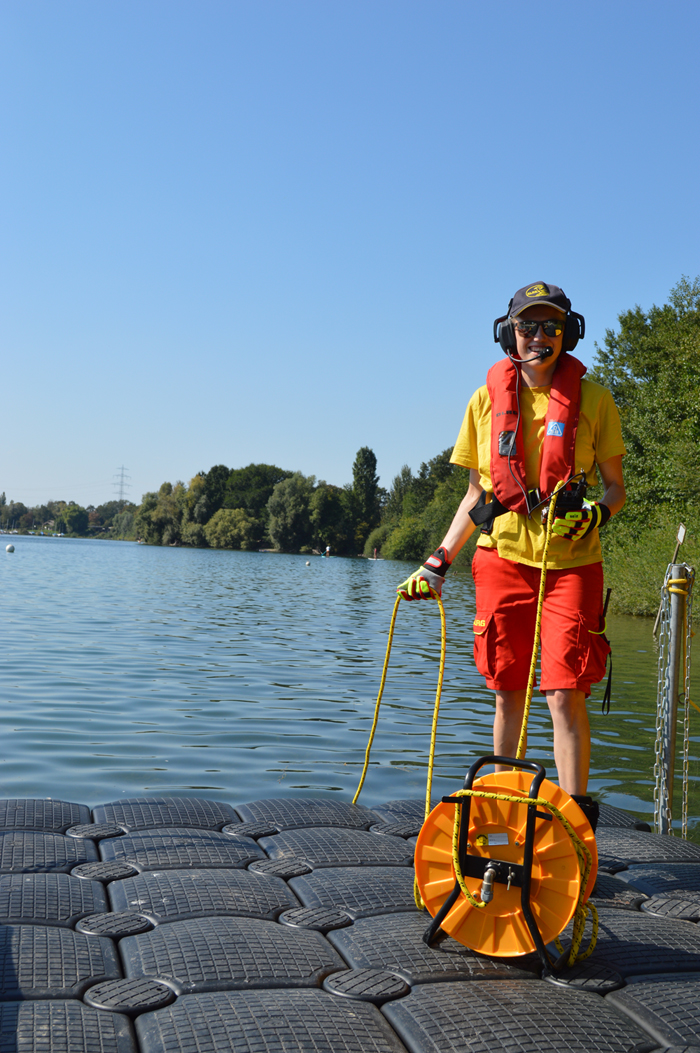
(539, 292)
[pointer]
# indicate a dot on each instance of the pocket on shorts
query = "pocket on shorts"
(593, 652)
(484, 643)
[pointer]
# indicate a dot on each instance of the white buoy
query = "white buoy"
(308, 563)
(9, 548)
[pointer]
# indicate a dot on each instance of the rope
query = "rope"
(436, 707)
(522, 742)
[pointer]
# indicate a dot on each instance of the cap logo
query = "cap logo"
(537, 290)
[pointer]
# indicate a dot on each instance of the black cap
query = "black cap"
(539, 293)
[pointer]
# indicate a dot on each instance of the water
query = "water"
(133, 670)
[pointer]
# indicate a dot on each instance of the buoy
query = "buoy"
(497, 832)
(9, 548)
(308, 563)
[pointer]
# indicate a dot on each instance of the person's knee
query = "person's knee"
(566, 706)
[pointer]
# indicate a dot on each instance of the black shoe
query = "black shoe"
(589, 807)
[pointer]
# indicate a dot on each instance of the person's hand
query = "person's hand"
(573, 526)
(431, 576)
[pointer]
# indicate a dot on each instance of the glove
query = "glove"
(573, 526)
(430, 576)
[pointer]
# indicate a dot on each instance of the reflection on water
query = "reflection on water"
(129, 669)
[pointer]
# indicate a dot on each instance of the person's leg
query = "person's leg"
(507, 724)
(572, 738)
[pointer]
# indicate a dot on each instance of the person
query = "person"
(535, 424)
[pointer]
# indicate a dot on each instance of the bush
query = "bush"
(408, 541)
(377, 538)
(232, 528)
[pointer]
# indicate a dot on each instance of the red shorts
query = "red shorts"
(573, 653)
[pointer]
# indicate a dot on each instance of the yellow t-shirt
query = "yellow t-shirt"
(599, 437)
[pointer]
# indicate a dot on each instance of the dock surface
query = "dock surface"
(159, 925)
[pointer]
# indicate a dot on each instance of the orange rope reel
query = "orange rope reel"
(497, 926)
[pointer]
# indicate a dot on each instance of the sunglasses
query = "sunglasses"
(550, 328)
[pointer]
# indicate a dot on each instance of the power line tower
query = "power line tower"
(120, 484)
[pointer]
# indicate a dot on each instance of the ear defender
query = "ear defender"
(504, 334)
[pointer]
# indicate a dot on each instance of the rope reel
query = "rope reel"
(515, 870)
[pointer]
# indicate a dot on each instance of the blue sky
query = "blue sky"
(280, 230)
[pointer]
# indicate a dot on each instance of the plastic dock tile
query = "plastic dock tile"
(144, 813)
(130, 996)
(682, 905)
(405, 830)
(177, 848)
(410, 811)
(37, 814)
(334, 847)
(47, 962)
(394, 942)
(320, 919)
(267, 1022)
(96, 831)
(610, 891)
(26, 853)
(367, 985)
(511, 1016)
(610, 816)
(360, 892)
(115, 925)
(296, 812)
(668, 1009)
(671, 877)
(62, 1027)
(176, 895)
(215, 954)
(48, 899)
(103, 872)
(288, 867)
(634, 846)
(633, 943)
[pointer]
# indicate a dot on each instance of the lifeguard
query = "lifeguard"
(536, 422)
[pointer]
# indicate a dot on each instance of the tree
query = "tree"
(215, 488)
(290, 513)
(652, 367)
(329, 518)
(366, 495)
(251, 487)
(232, 528)
(76, 519)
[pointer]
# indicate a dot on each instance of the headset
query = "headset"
(504, 332)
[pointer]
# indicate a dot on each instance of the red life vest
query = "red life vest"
(558, 444)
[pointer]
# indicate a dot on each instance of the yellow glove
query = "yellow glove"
(573, 526)
(431, 576)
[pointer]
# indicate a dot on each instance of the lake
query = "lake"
(129, 670)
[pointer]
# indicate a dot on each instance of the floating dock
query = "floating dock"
(167, 924)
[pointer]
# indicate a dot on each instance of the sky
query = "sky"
(279, 230)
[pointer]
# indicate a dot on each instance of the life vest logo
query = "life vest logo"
(555, 427)
(479, 623)
(537, 290)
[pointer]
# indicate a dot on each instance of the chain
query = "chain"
(661, 806)
(686, 714)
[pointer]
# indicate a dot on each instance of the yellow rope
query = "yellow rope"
(436, 708)
(379, 697)
(436, 712)
(522, 742)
